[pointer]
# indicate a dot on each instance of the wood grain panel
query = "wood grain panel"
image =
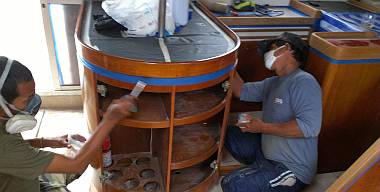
(251, 68)
(160, 149)
(364, 5)
(163, 89)
(351, 116)
(307, 9)
(363, 175)
(370, 182)
(159, 69)
(125, 140)
(133, 172)
(91, 113)
(193, 144)
(195, 179)
(153, 108)
(320, 42)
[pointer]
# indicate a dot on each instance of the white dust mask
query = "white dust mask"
(269, 58)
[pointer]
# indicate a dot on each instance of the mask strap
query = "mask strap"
(5, 73)
(2, 80)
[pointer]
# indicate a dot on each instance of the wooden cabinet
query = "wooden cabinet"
(173, 142)
(347, 66)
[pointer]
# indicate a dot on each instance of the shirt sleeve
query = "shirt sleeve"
(21, 160)
(306, 102)
(254, 91)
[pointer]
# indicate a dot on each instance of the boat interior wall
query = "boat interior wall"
(350, 98)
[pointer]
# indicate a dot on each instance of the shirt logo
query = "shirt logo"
(277, 101)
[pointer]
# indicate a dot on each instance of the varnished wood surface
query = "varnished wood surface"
(370, 182)
(153, 109)
(90, 112)
(163, 89)
(225, 123)
(141, 168)
(319, 41)
(197, 178)
(158, 70)
(351, 112)
(160, 149)
(251, 68)
(171, 133)
(363, 175)
(307, 9)
(364, 5)
(90, 100)
(193, 144)
(126, 140)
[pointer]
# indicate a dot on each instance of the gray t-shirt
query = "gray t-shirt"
(295, 96)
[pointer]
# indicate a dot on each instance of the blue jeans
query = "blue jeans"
(261, 174)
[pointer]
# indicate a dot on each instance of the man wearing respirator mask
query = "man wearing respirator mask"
(280, 150)
(21, 163)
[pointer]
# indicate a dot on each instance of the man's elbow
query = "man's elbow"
(77, 165)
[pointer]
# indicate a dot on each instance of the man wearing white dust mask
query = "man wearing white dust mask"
(280, 150)
(21, 162)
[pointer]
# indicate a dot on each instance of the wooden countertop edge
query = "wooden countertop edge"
(364, 6)
(358, 169)
(317, 41)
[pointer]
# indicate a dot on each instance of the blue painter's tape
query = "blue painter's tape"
(157, 81)
(355, 61)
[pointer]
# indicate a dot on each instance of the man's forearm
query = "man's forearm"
(288, 129)
(36, 143)
(61, 164)
(85, 155)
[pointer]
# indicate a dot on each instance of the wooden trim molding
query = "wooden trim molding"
(319, 41)
(358, 169)
(363, 5)
(307, 9)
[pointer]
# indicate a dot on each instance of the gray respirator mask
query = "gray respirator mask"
(24, 119)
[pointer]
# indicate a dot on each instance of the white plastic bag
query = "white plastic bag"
(180, 11)
(139, 16)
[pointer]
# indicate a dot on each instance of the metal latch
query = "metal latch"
(101, 89)
(214, 165)
(105, 176)
(226, 85)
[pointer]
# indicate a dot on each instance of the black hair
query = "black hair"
(18, 73)
(298, 46)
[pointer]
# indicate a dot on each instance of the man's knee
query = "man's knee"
(226, 184)
(232, 133)
(240, 180)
